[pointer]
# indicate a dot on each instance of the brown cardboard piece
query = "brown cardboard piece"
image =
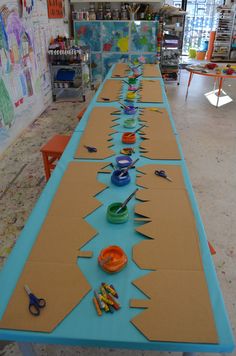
(51, 270)
(151, 91)
(151, 70)
(179, 308)
(148, 178)
(121, 70)
(111, 90)
(98, 134)
(159, 141)
(172, 226)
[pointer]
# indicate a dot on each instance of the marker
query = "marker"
(109, 289)
(98, 300)
(98, 310)
(116, 294)
(115, 304)
(104, 294)
(105, 99)
(106, 300)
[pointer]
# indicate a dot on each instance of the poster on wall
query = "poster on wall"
(55, 9)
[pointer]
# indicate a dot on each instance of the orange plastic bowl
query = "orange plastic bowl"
(112, 259)
(129, 137)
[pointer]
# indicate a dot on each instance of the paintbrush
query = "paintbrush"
(127, 168)
(126, 201)
(132, 133)
(123, 105)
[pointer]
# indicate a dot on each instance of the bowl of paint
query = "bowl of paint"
(123, 161)
(120, 178)
(112, 259)
(130, 123)
(130, 110)
(129, 137)
(130, 96)
(127, 151)
(132, 88)
(132, 80)
(114, 217)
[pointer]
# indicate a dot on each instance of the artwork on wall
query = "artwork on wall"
(113, 41)
(55, 9)
(25, 82)
(110, 58)
(115, 36)
(88, 34)
(143, 36)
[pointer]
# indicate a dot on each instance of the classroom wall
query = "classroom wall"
(25, 83)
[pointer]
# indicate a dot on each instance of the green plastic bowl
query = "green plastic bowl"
(117, 218)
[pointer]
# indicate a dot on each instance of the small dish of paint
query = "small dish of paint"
(123, 161)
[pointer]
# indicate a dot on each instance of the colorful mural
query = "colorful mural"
(149, 58)
(115, 36)
(110, 58)
(110, 42)
(88, 34)
(143, 36)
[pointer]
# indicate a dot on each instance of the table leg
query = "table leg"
(219, 91)
(26, 349)
(46, 166)
(189, 82)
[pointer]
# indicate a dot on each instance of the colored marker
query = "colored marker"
(115, 304)
(98, 310)
(116, 294)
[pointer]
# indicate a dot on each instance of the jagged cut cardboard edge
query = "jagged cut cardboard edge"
(57, 279)
(111, 91)
(121, 70)
(100, 121)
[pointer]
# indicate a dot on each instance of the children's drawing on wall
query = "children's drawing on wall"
(19, 71)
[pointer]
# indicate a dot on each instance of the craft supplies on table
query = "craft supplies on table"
(75, 203)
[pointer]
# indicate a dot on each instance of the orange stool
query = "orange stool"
(81, 113)
(52, 151)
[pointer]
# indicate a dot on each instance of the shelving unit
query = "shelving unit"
(172, 42)
(68, 71)
(224, 33)
(232, 55)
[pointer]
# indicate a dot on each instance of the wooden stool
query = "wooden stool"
(52, 151)
(81, 113)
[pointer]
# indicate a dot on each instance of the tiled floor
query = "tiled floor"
(208, 140)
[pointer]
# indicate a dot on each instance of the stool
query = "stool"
(81, 113)
(52, 151)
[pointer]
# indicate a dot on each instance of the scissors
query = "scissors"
(35, 304)
(162, 174)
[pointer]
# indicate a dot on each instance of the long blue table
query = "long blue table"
(82, 326)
